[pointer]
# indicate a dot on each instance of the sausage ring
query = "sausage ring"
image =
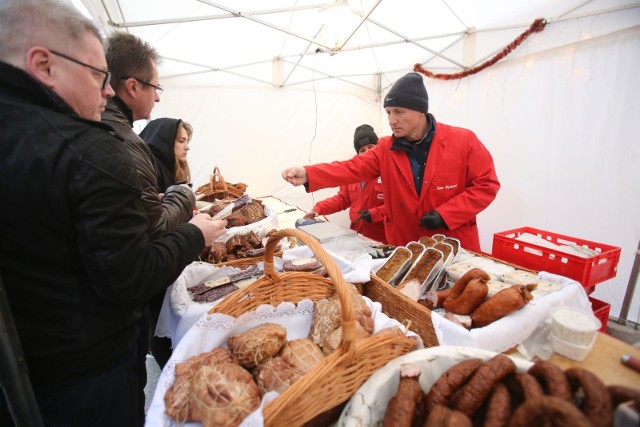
(475, 392)
(620, 394)
(498, 408)
(596, 404)
(548, 409)
(449, 382)
(441, 416)
(523, 386)
(552, 379)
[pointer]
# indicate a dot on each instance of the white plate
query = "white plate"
(368, 405)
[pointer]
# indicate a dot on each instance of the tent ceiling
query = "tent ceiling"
(290, 42)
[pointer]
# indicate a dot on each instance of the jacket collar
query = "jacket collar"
(402, 144)
(19, 84)
(118, 108)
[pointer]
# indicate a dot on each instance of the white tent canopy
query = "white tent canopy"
(269, 84)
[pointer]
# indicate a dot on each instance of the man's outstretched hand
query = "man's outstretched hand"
(296, 175)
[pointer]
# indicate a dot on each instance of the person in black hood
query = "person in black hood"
(169, 142)
(74, 277)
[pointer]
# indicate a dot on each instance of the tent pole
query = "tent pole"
(631, 286)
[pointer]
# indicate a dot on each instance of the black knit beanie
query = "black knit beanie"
(364, 135)
(408, 92)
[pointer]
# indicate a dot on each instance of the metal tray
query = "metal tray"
(401, 270)
(431, 274)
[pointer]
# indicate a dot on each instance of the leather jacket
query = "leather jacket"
(178, 202)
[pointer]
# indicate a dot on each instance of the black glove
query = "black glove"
(365, 215)
(433, 220)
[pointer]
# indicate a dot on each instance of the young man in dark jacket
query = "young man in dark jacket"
(75, 256)
(134, 78)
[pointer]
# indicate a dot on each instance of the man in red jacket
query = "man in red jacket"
(365, 200)
(436, 178)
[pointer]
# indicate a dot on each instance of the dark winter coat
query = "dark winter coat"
(75, 256)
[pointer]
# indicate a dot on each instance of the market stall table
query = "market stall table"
(604, 361)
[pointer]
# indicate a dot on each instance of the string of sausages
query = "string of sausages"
(493, 394)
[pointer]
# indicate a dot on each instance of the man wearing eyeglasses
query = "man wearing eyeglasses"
(134, 78)
(76, 260)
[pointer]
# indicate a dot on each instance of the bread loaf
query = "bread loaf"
(257, 344)
(275, 374)
(223, 395)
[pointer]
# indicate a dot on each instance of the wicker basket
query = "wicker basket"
(218, 188)
(340, 374)
(402, 308)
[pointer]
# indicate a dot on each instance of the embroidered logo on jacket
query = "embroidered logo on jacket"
(446, 187)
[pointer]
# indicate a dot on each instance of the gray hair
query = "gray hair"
(49, 23)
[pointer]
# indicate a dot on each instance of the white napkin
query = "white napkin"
(511, 330)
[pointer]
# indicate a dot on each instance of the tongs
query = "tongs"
(233, 206)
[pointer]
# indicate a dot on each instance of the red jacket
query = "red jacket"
(459, 182)
(369, 198)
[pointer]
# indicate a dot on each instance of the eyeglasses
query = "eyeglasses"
(107, 74)
(159, 89)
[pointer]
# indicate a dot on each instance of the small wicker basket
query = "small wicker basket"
(218, 188)
(339, 375)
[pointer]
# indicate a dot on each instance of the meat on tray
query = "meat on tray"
(213, 294)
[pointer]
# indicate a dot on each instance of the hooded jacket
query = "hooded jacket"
(177, 205)
(459, 182)
(75, 257)
(160, 136)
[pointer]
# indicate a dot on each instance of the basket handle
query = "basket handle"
(218, 183)
(348, 344)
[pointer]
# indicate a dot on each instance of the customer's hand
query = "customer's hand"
(364, 215)
(432, 220)
(311, 215)
(296, 175)
(211, 229)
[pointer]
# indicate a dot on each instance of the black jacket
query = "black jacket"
(178, 202)
(160, 135)
(75, 257)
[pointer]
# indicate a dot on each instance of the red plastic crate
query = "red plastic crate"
(587, 271)
(601, 311)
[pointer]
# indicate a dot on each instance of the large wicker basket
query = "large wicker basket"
(340, 374)
(402, 308)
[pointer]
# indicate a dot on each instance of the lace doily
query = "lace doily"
(178, 311)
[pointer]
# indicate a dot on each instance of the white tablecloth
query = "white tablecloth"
(179, 312)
